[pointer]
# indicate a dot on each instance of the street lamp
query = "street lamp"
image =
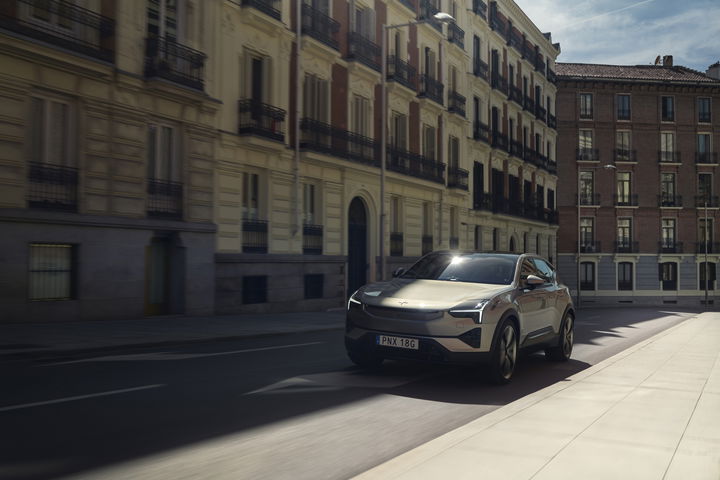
(441, 17)
(579, 230)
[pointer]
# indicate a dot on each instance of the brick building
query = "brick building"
(639, 143)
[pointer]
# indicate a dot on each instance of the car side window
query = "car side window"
(527, 268)
(545, 271)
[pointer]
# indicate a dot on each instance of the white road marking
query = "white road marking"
(165, 356)
(79, 397)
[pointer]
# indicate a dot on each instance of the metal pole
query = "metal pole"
(298, 95)
(705, 267)
(579, 240)
(383, 148)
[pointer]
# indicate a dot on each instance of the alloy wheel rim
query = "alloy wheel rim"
(508, 352)
(568, 336)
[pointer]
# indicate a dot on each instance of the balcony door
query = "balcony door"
(165, 20)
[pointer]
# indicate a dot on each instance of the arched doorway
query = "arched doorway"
(357, 245)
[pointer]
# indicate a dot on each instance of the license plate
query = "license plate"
(398, 342)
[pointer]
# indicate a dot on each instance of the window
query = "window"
(257, 78)
(624, 234)
(453, 152)
(707, 271)
(668, 109)
(705, 185)
(163, 161)
(398, 131)
(622, 146)
(427, 239)
(546, 271)
(704, 110)
(586, 105)
(429, 139)
(667, 189)
(587, 189)
(250, 196)
(454, 239)
(624, 186)
(315, 98)
(365, 22)
(705, 233)
(623, 107)
(667, 147)
(429, 63)
(668, 275)
(361, 115)
(587, 235)
(625, 276)
(309, 217)
(703, 148)
(585, 145)
(587, 276)
(165, 19)
(51, 132)
(668, 235)
(59, 15)
(53, 269)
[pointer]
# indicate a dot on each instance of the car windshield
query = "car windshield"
(471, 267)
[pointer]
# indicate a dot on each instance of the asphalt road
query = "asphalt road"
(289, 406)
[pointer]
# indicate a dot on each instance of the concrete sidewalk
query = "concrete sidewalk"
(650, 412)
(39, 340)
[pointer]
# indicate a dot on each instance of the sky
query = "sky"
(631, 32)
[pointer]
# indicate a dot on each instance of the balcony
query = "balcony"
(551, 76)
(323, 138)
(500, 141)
(408, 4)
(626, 246)
(319, 26)
(480, 68)
(709, 247)
(456, 103)
(670, 246)
(61, 24)
(396, 244)
(165, 58)
(165, 199)
(587, 155)
(312, 239)
(669, 157)
(52, 187)
(528, 54)
(457, 178)
(431, 89)
(258, 118)
(590, 199)
(706, 158)
(498, 82)
(496, 23)
(427, 244)
(401, 72)
(539, 65)
(364, 51)
(540, 113)
(552, 121)
(621, 155)
(530, 156)
(516, 149)
(712, 201)
(456, 35)
(589, 247)
(254, 236)
(515, 94)
(415, 165)
(428, 9)
(630, 200)
(270, 8)
(669, 201)
(482, 201)
(481, 132)
(480, 8)
(529, 104)
(515, 40)
(551, 166)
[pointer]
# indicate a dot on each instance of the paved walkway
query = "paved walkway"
(19, 340)
(650, 412)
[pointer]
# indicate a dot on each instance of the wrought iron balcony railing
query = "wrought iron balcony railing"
(498, 82)
(496, 23)
(629, 200)
(481, 132)
(552, 121)
(589, 247)
(515, 40)
(401, 72)
(539, 65)
(52, 187)
(427, 244)
(363, 50)
(624, 155)
(456, 103)
(312, 239)
(457, 178)
(396, 244)
(415, 165)
(165, 199)
(515, 94)
(61, 24)
(529, 104)
(552, 166)
(165, 58)
(623, 114)
(704, 117)
(409, 4)
(516, 149)
(324, 138)
(540, 113)
(319, 26)
(667, 200)
(254, 236)
(271, 8)
(431, 88)
(456, 35)
(706, 158)
(669, 157)
(530, 156)
(551, 76)
(626, 246)
(710, 247)
(587, 154)
(500, 141)
(480, 68)
(670, 246)
(712, 201)
(482, 201)
(258, 118)
(428, 9)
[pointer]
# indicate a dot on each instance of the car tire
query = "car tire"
(365, 359)
(562, 351)
(504, 354)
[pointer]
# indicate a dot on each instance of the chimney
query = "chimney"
(713, 71)
(667, 61)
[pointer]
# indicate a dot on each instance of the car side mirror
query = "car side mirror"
(534, 280)
(398, 272)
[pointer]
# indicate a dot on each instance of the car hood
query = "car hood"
(425, 294)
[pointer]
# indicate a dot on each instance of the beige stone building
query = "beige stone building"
(187, 156)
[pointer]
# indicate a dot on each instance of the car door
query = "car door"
(549, 291)
(530, 301)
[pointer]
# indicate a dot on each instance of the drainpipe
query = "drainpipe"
(298, 91)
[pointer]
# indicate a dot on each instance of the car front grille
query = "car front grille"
(403, 313)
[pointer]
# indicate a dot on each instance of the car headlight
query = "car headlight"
(353, 301)
(470, 310)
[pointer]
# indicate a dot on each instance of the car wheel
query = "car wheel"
(504, 354)
(365, 359)
(562, 351)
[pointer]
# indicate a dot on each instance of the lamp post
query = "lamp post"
(441, 17)
(706, 240)
(579, 230)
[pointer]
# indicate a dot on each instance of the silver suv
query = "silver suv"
(465, 308)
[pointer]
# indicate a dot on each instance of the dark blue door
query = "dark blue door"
(357, 245)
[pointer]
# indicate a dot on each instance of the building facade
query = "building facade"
(225, 156)
(640, 146)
